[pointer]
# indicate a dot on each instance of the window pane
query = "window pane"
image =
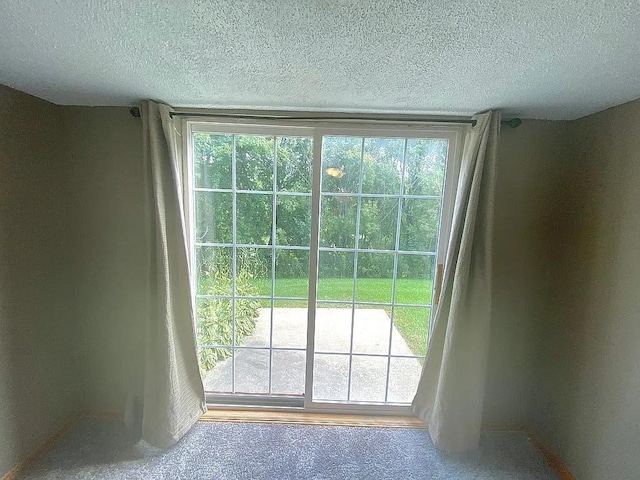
(254, 162)
(382, 165)
(338, 221)
(290, 324)
(404, 375)
(415, 279)
(213, 316)
(253, 323)
(371, 329)
(215, 368)
(292, 273)
(206, 322)
(375, 277)
(288, 372)
(378, 221)
(335, 276)
(254, 218)
(333, 327)
(425, 169)
(368, 379)
(341, 158)
(252, 370)
(213, 215)
(213, 266)
(295, 156)
(411, 325)
(419, 224)
(330, 377)
(293, 221)
(253, 272)
(212, 160)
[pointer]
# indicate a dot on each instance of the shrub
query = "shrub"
(215, 319)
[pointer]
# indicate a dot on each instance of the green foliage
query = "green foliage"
(383, 172)
(215, 320)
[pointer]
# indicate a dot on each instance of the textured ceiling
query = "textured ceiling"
(533, 58)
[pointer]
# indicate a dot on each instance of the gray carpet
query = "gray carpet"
(102, 449)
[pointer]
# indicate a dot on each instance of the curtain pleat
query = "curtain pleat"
(451, 389)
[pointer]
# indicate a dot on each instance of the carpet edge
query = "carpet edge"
(32, 458)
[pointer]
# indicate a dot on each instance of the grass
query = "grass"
(412, 322)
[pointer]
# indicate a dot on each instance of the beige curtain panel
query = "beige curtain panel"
(170, 396)
(451, 390)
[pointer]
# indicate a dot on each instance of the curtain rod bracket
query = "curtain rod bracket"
(135, 112)
(512, 123)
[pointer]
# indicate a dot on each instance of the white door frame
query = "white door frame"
(317, 130)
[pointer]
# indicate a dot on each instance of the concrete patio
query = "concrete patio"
(371, 330)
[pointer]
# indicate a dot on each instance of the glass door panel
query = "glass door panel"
(379, 206)
(379, 220)
(252, 226)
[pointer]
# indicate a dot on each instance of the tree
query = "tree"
(373, 166)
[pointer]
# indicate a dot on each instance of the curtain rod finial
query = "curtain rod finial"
(135, 112)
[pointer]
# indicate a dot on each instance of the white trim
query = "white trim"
(251, 129)
(454, 157)
(395, 268)
(449, 191)
(274, 209)
(189, 216)
(355, 268)
(368, 408)
(334, 129)
(314, 254)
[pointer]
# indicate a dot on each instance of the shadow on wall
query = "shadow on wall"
(526, 211)
(579, 233)
(39, 387)
(71, 264)
(588, 410)
(567, 231)
(108, 243)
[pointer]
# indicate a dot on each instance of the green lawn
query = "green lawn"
(412, 322)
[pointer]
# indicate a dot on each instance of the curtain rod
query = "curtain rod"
(513, 123)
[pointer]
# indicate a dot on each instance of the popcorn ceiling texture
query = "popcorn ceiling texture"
(534, 58)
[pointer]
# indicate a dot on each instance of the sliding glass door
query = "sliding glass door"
(315, 254)
(379, 220)
(252, 223)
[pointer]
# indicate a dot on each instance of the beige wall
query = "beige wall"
(530, 159)
(71, 264)
(587, 405)
(565, 352)
(105, 151)
(39, 387)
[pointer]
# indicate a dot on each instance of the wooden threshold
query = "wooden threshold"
(310, 418)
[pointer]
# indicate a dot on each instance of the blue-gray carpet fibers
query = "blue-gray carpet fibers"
(102, 449)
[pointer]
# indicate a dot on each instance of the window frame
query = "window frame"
(317, 130)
